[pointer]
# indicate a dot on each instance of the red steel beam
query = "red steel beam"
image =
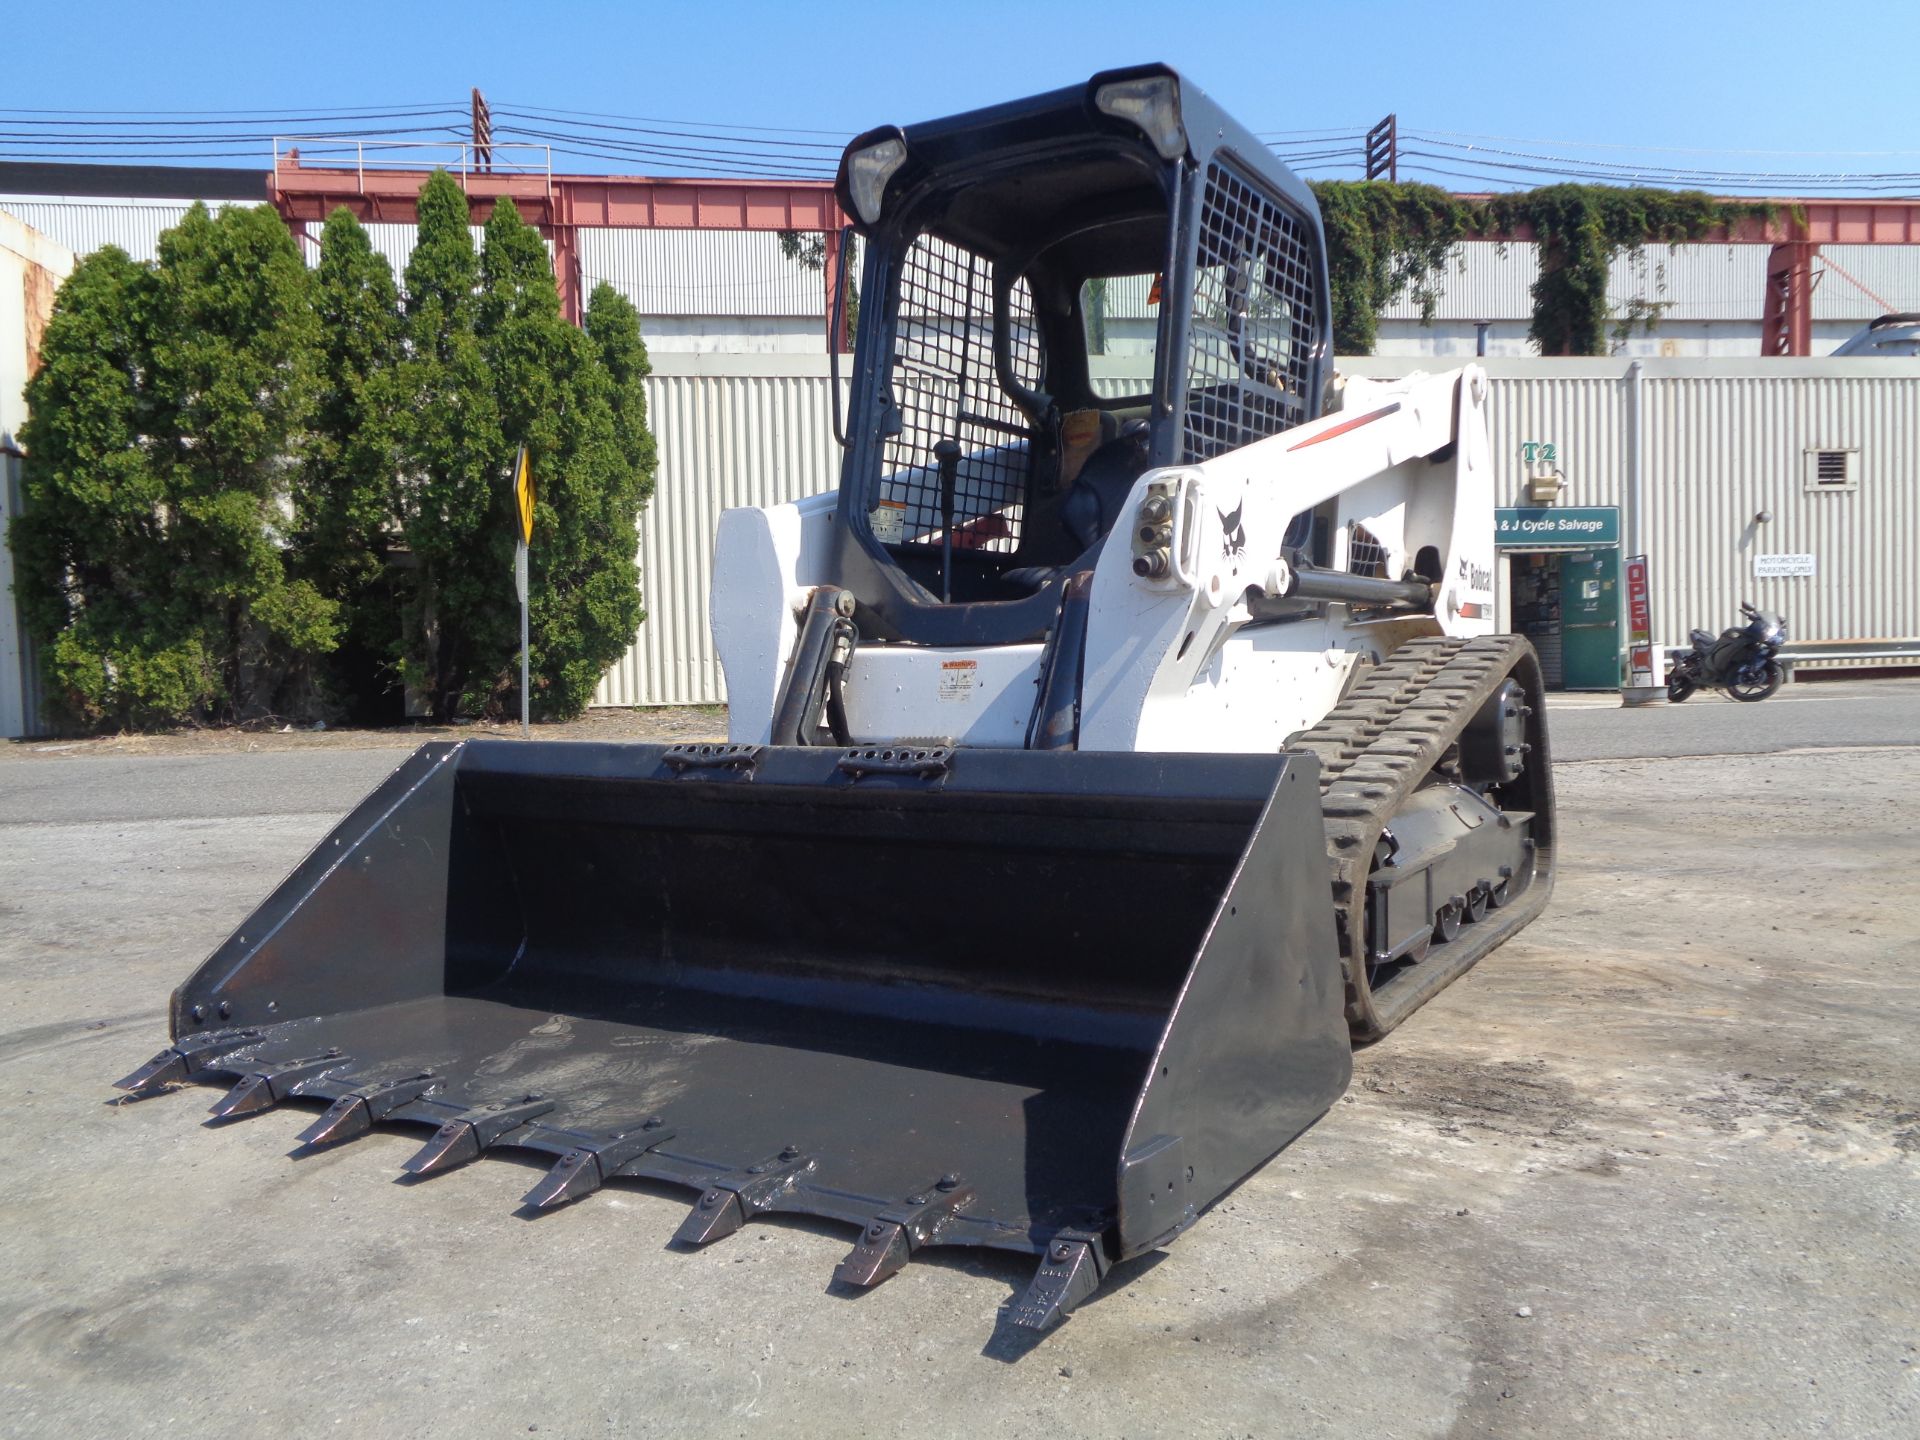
(560, 205)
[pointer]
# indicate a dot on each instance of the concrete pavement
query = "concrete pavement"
(1648, 1171)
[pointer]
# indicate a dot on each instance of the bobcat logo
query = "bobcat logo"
(1234, 531)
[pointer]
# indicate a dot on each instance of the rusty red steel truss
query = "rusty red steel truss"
(560, 206)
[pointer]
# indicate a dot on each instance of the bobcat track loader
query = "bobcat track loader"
(1121, 741)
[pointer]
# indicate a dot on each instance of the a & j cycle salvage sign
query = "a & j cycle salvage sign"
(1529, 527)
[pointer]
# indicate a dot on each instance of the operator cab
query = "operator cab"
(1060, 294)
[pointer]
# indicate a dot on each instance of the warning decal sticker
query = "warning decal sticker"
(957, 679)
(889, 520)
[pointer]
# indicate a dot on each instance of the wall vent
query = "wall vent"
(1833, 470)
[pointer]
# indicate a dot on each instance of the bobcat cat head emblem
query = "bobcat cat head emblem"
(1235, 533)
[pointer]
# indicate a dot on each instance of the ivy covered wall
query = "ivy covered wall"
(1385, 241)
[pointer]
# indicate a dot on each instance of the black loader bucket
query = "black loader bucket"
(1050, 1002)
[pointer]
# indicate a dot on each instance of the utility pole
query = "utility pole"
(482, 134)
(1383, 150)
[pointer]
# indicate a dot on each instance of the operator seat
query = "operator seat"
(1092, 506)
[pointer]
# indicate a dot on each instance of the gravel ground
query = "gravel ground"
(1648, 1171)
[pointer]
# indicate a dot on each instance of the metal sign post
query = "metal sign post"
(523, 514)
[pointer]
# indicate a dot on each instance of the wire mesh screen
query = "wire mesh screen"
(944, 387)
(1251, 336)
(1365, 554)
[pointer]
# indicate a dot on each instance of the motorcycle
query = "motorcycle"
(1743, 660)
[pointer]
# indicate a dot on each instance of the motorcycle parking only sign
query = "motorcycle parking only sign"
(1774, 567)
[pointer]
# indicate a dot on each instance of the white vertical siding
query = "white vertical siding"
(1583, 416)
(725, 440)
(83, 225)
(1722, 440)
(1722, 449)
(702, 272)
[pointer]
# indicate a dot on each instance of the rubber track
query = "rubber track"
(1375, 748)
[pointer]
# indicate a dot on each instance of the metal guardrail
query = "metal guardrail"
(462, 158)
(1905, 649)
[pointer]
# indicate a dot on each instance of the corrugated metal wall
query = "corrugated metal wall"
(1721, 449)
(1722, 440)
(725, 439)
(701, 272)
(728, 273)
(84, 225)
(1692, 282)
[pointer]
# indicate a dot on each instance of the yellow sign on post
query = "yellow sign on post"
(523, 512)
(523, 494)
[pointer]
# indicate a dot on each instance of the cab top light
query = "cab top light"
(868, 171)
(1151, 102)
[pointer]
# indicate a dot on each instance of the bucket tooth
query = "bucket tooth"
(1071, 1271)
(467, 1135)
(715, 1215)
(185, 1060)
(252, 1095)
(588, 1166)
(266, 1086)
(358, 1111)
(575, 1176)
(169, 1067)
(345, 1118)
(452, 1145)
(734, 1197)
(889, 1241)
(882, 1252)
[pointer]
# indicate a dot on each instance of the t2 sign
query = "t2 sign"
(1539, 452)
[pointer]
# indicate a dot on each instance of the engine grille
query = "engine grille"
(1250, 346)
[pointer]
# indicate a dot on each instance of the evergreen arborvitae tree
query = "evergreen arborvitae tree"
(347, 500)
(225, 451)
(614, 327)
(585, 433)
(451, 507)
(118, 643)
(233, 366)
(170, 402)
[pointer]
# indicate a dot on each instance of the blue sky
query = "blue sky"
(1662, 81)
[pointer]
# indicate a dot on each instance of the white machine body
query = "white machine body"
(1181, 662)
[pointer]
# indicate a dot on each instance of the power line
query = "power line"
(16, 117)
(98, 142)
(535, 115)
(689, 146)
(683, 156)
(1658, 149)
(333, 112)
(844, 135)
(1596, 167)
